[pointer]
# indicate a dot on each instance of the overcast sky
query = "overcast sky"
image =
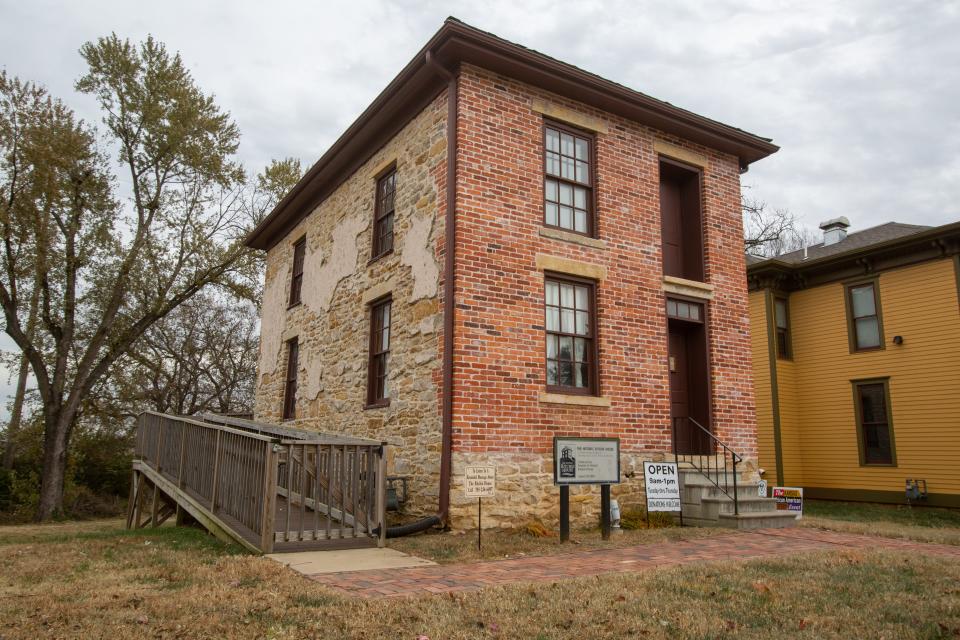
(861, 95)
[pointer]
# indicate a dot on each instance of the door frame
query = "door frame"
(705, 305)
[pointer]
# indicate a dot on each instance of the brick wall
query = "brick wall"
(499, 329)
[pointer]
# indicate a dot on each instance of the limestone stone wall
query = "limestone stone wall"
(332, 323)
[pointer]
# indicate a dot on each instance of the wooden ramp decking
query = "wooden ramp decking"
(267, 488)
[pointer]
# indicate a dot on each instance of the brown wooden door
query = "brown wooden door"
(671, 230)
(679, 388)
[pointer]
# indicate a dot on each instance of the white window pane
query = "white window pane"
(553, 140)
(551, 214)
(566, 348)
(566, 295)
(553, 319)
(566, 194)
(695, 312)
(583, 150)
(566, 144)
(580, 220)
(583, 298)
(583, 172)
(552, 347)
(567, 168)
(553, 164)
(583, 326)
(580, 198)
(868, 333)
(781, 313)
(863, 302)
(566, 217)
(566, 374)
(566, 320)
(385, 340)
(671, 307)
(580, 349)
(553, 293)
(580, 375)
(551, 190)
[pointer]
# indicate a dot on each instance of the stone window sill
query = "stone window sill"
(380, 404)
(575, 238)
(573, 399)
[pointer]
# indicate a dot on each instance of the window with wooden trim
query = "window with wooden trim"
(863, 309)
(684, 310)
(781, 321)
(571, 354)
(378, 390)
(383, 214)
(290, 386)
(296, 280)
(681, 220)
(568, 179)
(874, 424)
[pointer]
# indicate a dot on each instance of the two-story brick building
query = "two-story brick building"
(501, 249)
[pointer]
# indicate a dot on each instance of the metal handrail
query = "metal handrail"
(710, 469)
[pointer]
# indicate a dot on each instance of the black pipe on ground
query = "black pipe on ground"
(410, 528)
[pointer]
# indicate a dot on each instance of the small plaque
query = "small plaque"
(480, 482)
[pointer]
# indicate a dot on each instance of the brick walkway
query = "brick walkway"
(744, 545)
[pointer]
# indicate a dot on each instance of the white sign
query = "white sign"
(586, 460)
(762, 488)
(789, 499)
(663, 486)
(480, 482)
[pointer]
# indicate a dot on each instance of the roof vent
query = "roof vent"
(834, 230)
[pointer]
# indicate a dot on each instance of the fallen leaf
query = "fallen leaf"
(761, 587)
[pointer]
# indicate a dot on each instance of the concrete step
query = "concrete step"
(695, 493)
(746, 504)
(764, 520)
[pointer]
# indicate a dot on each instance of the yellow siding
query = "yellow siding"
(818, 426)
(761, 384)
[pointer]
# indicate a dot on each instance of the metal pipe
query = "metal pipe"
(449, 250)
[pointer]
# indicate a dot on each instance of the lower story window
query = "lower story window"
(290, 386)
(873, 422)
(378, 392)
(570, 336)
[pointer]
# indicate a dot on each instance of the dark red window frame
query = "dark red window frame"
(555, 183)
(383, 215)
(296, 279)
(290, 384)
(381, 318)
(561, 319)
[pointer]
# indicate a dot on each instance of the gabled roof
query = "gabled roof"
(886, 246)
(420, 81)
(857, 240)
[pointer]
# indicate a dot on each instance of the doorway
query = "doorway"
(689, 377)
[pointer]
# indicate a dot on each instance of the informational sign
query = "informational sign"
(662, 484)
(586, 461)
(480, 482)
(762, 488)
(789, 499)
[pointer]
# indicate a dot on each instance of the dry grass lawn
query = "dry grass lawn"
(93, 580)
(923, 524)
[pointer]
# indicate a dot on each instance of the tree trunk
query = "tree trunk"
(16, 413)
(54, 465)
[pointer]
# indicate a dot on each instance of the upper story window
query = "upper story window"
(290, 384)
(571, 336)
(782, 323)
(383, 214)
(568, 179)
(296, 280)
(378, 391)
(874, 426)
(863, 310)
(681, 220)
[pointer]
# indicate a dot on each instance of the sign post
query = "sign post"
(585, 461)
(480, 482)
(662, 484)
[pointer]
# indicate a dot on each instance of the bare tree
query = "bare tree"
(107, 270)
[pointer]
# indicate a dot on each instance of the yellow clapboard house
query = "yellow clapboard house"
(856, 360)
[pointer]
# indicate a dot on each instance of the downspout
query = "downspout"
(446, 418)
(449, 251)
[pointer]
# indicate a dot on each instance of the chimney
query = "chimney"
(834, 230)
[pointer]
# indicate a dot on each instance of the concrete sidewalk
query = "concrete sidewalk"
(312, 563)
(740, 545)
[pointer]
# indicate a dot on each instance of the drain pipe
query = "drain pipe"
(449, 249)
(449, 245)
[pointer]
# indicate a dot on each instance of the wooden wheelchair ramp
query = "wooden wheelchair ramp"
(270, 489)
